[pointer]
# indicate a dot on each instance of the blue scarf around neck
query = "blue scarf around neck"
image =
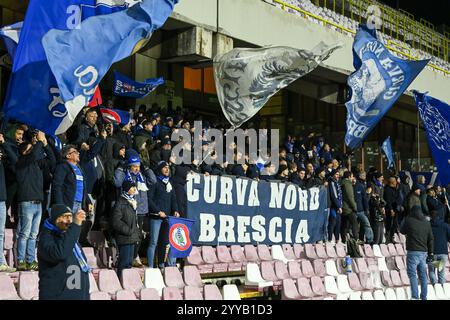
(164, 179)
(76, 250)
(129, 176)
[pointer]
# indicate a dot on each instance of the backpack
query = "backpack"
(353, 249)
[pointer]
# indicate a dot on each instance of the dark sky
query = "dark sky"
(435, 11)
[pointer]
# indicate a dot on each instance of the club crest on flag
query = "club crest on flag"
(179, 237)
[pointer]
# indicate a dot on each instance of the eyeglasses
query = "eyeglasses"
(74, 151)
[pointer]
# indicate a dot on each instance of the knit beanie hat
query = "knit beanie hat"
(58, 210)
(134, 160)
(161, 165)
(127, 185)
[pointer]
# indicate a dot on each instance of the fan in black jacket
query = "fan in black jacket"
(162, 203)
(125, 226)
(30, 196)
(61, 260)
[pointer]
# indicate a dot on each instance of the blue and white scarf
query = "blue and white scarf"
(138, 178)
(166, 182)
(76, 250)
(131, 199)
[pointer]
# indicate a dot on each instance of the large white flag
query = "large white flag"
(247, 78)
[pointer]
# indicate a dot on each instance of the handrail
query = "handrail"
(327, 22)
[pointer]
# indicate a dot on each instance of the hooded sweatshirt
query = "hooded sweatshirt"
(419, 236)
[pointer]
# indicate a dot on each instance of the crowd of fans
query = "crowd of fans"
(125, 178)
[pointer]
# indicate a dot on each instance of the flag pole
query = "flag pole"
(418, 142)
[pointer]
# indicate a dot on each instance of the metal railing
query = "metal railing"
(398, 25)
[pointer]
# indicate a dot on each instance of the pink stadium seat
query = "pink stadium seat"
(289, 252)
(319, 268)
(91, 257)
(289, 291)
(171, 294)
(210, 257)
(238, 254)
(92, 283)
(108, 281)
(28, 285)
(362, 265)
(212, 292)
(396, 280)
(7, 289)
(299, 251)
(100, 296)
(307, 269)
(402, 238)
(399, 263)
(317, 286)
(368, 251)
(195, 258)
(392, 250)
(447, 275)
(131, 280)
(294, 270)
(192, 293)
(251, 254)
(281, 270)
(268, 273)
(354, 283)
(264, 253)
(386, 279)
(384, 250)
(340, 250)
(192, 277)
(224, 256)
(125, 295)
(173, 278)
(331, 252)
(8, 245)
(399, 249)
(361, 250)
(310, 251)
(372, 264)
(149, 294)
(404, 277)
(365, 281)
(320, 251)
(390, 262)
(304, 288)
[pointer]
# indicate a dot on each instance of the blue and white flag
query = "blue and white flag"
(125, 87)
(33, 95)
(387, 149)
(180, 237)
(11, 35)
(380, 79)
(81, 57)
(435, 116)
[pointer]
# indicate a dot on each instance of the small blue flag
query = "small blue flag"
(11, 35)
(180, 237)
(379, 81)
(387, 149)
(126, 87)
(80, 58)
(435, 116)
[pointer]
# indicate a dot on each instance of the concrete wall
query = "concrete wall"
(259, 23)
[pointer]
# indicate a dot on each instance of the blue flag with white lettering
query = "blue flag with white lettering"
(10, 35)
(387, 149)
(180, 237)
(81, 57)
(435, 116)
(33, 95)
(379, 81)
(125, 87)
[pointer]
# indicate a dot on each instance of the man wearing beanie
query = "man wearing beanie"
(413, 198)
(162, 203)
(63, 268)
(125, 226)
(143, 178)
